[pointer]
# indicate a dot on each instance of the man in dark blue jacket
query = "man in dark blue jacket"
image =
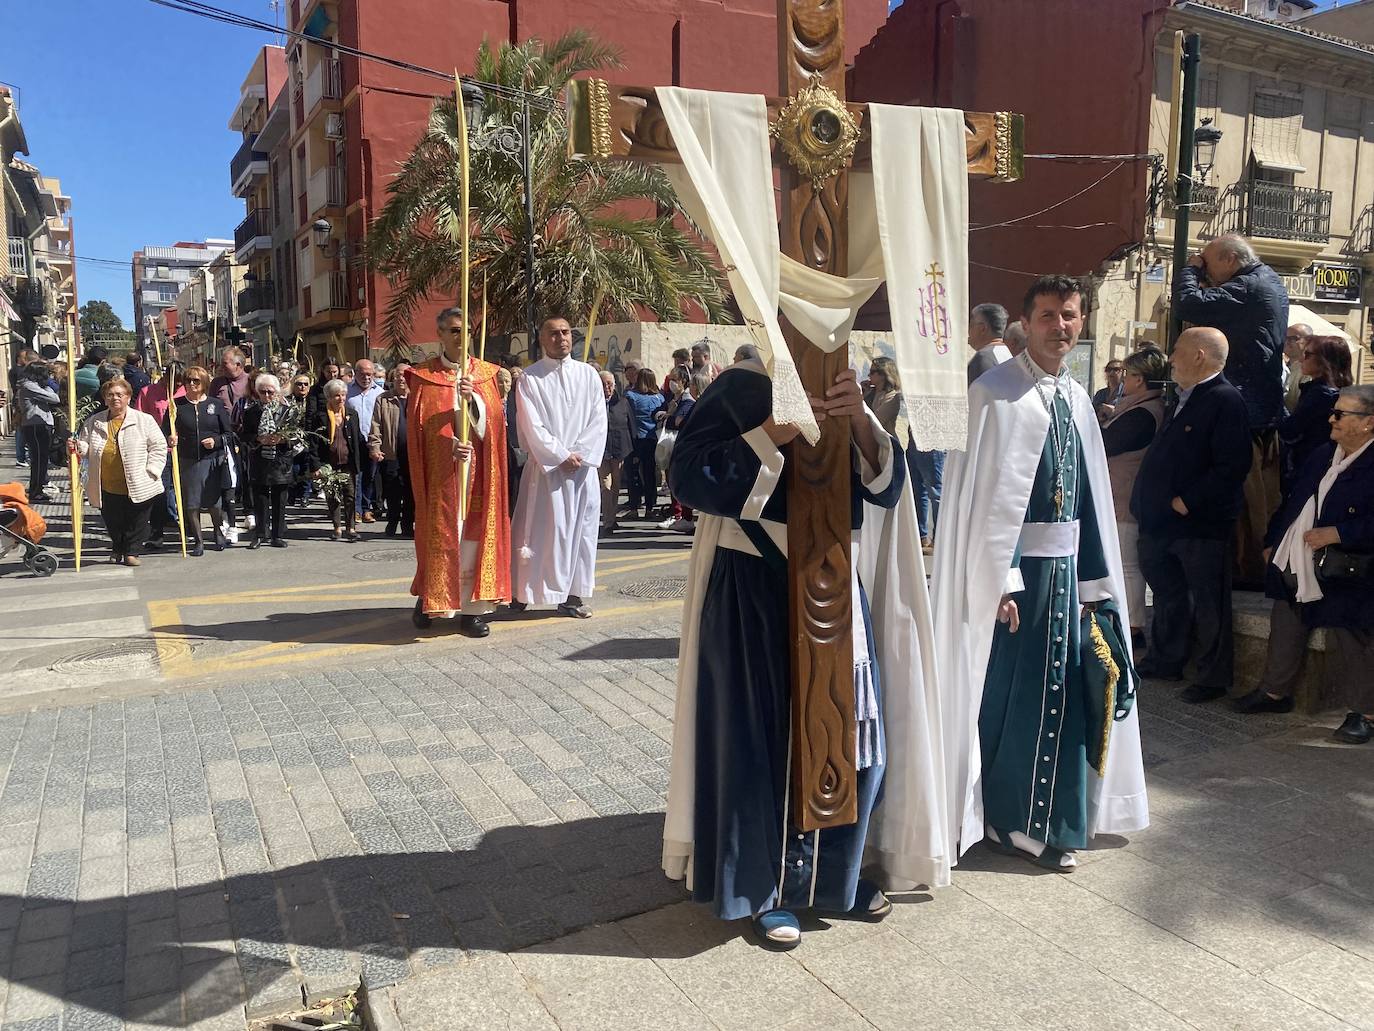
(1186, 499)
(1228, 288)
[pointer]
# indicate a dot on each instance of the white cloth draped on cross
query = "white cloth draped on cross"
(908, 226)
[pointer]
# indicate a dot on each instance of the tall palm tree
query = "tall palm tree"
(610, 229)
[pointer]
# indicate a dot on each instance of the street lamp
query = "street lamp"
(1205, 140)
(322, 231)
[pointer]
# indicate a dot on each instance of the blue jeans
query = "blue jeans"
(927, 476)
(367, 499)
(21, 449)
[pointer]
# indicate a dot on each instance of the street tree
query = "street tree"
(101, 325)
(609, 230)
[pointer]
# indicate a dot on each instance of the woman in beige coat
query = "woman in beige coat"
(125, 452)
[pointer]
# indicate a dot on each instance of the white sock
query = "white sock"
(1035, 848)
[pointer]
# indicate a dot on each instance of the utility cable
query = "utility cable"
(1059, 204)
(243, 21)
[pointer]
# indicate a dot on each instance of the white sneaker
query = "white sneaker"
(231, 534)
(668, 524)
(251, 522)
(684, 526)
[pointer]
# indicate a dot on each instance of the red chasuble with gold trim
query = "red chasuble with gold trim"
(431, 428)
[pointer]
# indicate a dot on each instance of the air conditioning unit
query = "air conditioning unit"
(334, 126)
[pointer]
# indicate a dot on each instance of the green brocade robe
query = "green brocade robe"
(1035, 718)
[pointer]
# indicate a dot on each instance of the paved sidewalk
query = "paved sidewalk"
(481, 827)
(1248, 906)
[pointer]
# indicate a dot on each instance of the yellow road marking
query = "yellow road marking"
(243, 661)
(166, 614)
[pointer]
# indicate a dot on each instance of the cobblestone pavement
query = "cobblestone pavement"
(171, 860)
(168, 860)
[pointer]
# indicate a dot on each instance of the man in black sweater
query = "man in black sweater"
(1187, 498)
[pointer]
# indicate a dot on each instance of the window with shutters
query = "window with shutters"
(1275, 135)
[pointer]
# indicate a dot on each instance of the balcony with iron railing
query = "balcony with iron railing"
(255, 230)
(246, 165)
(329, 292)
(325, 82)
(1278, 211)
(324, 190)
(258, 302)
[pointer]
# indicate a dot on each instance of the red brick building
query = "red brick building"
(1082, 72)
(353, 122)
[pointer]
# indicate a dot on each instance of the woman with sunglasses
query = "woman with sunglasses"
(1325, 372)
(1331, 507)
(200, 436)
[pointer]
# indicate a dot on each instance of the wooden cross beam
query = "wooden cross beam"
(818, 136)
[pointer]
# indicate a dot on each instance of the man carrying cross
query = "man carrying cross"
(806, 687)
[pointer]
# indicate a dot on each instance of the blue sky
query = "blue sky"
(127, 103)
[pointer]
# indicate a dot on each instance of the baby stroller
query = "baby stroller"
(21, 526)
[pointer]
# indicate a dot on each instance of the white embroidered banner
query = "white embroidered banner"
(908, 225)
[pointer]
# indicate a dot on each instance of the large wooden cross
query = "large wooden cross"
(818, 137)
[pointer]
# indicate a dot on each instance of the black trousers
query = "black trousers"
(400, 499)
(270, 499)
(126, 521)
(644, 491)
(1191, 580)
(38, 441)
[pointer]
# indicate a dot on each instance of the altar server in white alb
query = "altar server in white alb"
(1042, 738)
(561, 414)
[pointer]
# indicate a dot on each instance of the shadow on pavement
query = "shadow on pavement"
(630, 648)
(231, 941)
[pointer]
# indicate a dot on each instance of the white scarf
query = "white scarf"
(1294, 555)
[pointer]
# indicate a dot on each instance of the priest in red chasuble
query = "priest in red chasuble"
(459, 571)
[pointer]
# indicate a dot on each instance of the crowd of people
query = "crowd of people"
(1248, 435)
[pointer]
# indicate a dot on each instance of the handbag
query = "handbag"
(1339, 567)
(663, 450)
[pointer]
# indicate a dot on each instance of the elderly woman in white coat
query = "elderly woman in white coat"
(125, 452)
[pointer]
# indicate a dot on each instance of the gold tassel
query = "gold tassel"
(1103, 651)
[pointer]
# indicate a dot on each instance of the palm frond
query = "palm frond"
(616, 230)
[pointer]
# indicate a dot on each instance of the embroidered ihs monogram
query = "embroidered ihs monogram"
(933, 316)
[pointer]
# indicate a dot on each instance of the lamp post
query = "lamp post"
(512, 142)
(1205, 140)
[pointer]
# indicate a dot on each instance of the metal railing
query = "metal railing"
(258, 223)
(260, 297)
(18, 252)
(325, 189)
(325, 82)
(329, 292)
(247, 155)
(1277, 211)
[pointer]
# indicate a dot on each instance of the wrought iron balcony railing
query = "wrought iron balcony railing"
(247, 155)
(258, 223)
(260, 297)
(1278, 211)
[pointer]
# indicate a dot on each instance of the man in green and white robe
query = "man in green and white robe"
(1038, 758)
